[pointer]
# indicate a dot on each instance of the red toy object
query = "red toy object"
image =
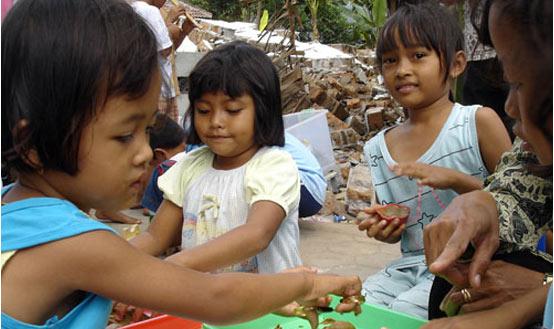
(391, 211)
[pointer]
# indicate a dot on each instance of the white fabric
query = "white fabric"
(455, 147)
(155, 21)
(217, 201)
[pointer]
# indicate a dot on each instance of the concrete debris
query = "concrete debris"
(359, 191)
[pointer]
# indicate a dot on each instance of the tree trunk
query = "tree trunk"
(315, 30)
(259, 7)
(313, 5)
(292, 19)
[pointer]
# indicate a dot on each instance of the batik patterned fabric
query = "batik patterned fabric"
(475, 51)
(524, 201)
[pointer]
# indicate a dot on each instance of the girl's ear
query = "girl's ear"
(161, 155)
(458, 65)
(28, 153)
(33, 160)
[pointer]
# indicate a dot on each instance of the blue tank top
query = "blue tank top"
(456, 147)
(35, 221)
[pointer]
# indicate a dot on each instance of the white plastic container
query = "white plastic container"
(310, 127)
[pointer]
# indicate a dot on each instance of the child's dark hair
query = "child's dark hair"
(61, 61)
(166, 133)
(236, 69)
(426, 24)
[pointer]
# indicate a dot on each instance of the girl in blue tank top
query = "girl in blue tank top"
(441, 145)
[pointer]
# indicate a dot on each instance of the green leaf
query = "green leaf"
(379, 12)
(264, 20)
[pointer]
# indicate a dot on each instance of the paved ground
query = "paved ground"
(343, 249)
(332, 247)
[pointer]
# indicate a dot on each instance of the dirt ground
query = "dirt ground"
(338, 248)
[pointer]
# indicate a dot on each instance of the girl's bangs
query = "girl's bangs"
(405, 32)
(230, 81)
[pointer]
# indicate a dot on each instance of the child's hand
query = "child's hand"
(432, 176)
(291, 308)
(322, 285)
(121, 312)
(380, 229)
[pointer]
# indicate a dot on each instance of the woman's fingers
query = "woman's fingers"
(481, 260)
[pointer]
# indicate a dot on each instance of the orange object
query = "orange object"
(391, 211)
(165, 322)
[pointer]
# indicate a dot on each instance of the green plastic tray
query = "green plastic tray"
(372, 317)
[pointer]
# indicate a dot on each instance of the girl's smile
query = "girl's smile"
(406, 88)
(413, 76)
(226, 126)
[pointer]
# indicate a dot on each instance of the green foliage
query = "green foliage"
(367, 17)
(344, 21)
(332, 24)
(264, 20)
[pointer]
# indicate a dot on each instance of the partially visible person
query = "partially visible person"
(312, 182)
(149, 10)
(167, 140)
(172, 14)
(441, 150)
(491, 218)
(233, 203)
(482, 81)
(75, 128)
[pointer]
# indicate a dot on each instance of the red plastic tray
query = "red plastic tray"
(165, 322)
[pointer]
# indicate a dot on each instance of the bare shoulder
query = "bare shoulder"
(487, 116)
(489, 124)
(492, 135)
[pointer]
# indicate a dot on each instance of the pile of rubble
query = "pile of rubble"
(340, 79)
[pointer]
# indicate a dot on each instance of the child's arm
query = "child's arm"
(493, 137)
(105, 264)
(438, 177)
(163, 232)
(243, 242)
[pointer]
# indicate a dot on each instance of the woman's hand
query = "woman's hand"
(378, 228)
(469, 218)
(511, 315)
(502, 282)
